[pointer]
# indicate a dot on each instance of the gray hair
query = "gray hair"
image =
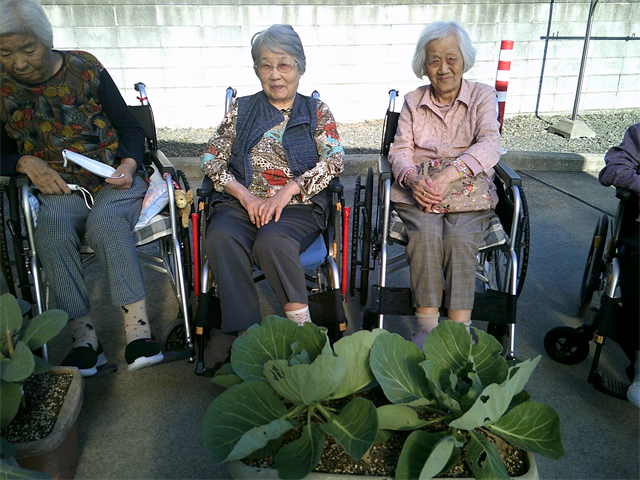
(279, 38)
(25, 17)
(439, 31)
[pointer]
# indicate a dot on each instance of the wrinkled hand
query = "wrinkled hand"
(272, 207)
(251, 204)
(428, 190)
(43, 177)
(122, 178)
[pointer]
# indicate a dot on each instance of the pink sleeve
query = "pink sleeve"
(486, 151)
(401, 153)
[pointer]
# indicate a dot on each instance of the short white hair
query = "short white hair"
(25, 17)
(439, 31)
(277, 38)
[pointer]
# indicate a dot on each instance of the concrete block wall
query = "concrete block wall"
(188, 51)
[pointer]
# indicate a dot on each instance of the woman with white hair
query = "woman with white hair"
(443, 154)
(55, 100)
(271, 161)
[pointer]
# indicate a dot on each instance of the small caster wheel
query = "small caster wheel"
(565, 345)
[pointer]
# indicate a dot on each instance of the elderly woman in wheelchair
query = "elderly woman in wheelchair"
(622, 169)
(446, 145)
(270, 161)
(54, 100)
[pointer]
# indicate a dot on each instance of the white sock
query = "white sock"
(299, 316)
(83, 333)
(427, 321)
(136, 322)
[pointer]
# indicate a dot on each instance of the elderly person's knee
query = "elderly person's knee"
(274, 245)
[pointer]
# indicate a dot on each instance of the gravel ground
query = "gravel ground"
(524, 132)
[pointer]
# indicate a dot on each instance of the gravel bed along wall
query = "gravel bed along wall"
(526, 132)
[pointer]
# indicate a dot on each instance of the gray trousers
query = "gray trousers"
(233, 245)
(443, 243)
(63, 222)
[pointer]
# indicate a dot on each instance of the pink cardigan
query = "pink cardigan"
(470, 131)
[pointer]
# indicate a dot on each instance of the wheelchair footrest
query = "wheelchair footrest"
(610, 386)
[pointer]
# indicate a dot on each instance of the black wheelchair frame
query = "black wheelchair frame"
(501, 268)
(570, 346)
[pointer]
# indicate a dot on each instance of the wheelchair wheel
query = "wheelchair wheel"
(565, 345)
(361, 237)
(591, 277)
(174, 338)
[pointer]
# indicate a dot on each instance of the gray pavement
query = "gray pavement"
(147, 424)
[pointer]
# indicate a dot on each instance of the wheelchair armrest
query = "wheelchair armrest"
(507, 175)
(162, 163)
(206, 188)
(20, 180)
(384, 167)
(623, 194)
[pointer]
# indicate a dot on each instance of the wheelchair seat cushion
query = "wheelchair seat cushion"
(494, 235)
(315, 255)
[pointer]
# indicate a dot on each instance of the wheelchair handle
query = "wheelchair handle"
(140, 87)
(229, 96)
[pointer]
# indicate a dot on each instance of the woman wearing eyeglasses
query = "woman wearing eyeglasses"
(271, 161)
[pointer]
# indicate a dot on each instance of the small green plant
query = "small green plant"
(17, 340)
(473, 388)
(281, 372)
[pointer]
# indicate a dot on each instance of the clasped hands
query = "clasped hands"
(262, 211)
(428, 190)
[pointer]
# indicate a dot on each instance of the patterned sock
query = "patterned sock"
(299, 316)
(83, 332)
(136, 323)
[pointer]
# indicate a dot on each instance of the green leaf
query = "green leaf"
(383, 435)
(356, 349)
(10, 314)
(415, 452)
(297, 459)
(235, 412)
(395, 364)
(532, 426)
(41, 365)
(449, 346)
(496, 398)
(226, 377)
(271, 340)
(490, 366)
(483, 459)
(311, 338)
(439, 381)
(258, 438)
(10, 397)
(355, 428)
(306, 384)
(18, 367)
(440, 457)
(399, 417)
(42, 328)
(10, 472)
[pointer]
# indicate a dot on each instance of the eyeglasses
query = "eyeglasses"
(265, 68)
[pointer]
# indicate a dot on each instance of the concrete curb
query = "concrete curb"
(518, 160)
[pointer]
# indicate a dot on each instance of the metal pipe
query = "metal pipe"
(583, 63)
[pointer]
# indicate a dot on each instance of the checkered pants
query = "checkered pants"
(64, 222)
(443, 244)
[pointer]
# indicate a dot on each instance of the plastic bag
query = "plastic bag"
(155, 200)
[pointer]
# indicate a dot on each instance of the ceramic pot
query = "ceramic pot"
(239, 470)
(57, 453)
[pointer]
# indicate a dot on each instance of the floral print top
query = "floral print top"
(79, 108)
(270, 169)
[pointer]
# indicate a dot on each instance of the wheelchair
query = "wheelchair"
(570, 346)
(171, 256)
(502, 261)
(320, 262)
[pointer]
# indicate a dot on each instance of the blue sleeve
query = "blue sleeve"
(130, 133)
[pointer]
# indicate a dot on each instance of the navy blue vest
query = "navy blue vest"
(256, 116)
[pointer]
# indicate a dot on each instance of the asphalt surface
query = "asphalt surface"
(147, 423)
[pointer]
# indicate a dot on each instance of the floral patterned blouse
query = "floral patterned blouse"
(270, 169)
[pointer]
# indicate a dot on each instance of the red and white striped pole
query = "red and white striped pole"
(502, 78)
